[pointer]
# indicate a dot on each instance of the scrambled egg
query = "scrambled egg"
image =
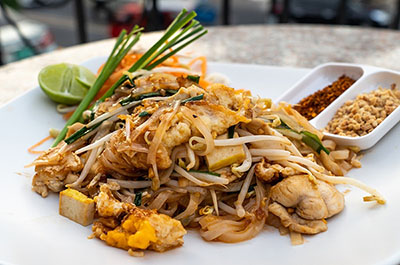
(139, 229)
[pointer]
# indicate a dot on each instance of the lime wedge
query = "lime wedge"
(66, 83)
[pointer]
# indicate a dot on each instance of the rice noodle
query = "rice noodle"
(350, 181)
(339, 154)
(164, 177)
(159, 201)
(103, 129)
(246, 163)
(192, 157)
(131, 184)
(210, 178)
(111, 113)
(242, 195)
(199, 124)
(226, 208)
(158, 136)
(250, 139)
(194, 201)
(174, 183)
(188, 176)
(270, 154)
(97, 143)
(306, 162)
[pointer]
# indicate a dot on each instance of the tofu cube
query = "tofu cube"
(76, 206)
(223, 156)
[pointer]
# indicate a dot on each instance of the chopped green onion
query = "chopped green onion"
(314, 142)
(171, 38)
(138, 199)
(231, 131)
(205, 172)
(130, 99)
(171, 91)
(194, 78)
(143, 114)
(122, 46)
(81, 132)
(306, 137)
(196, 98)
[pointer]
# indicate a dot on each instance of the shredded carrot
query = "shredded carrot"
(203, 61)
(203, 83)
(131, 58)
(30, 149)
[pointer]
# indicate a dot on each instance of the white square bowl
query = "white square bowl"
(368, 83)
(368, 78)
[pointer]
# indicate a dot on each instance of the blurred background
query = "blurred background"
(29, 27)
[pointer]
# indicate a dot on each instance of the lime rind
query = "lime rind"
(66, 83)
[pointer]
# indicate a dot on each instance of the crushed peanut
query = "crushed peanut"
(361, 116)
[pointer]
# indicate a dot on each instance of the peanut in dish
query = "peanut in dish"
(361, 116)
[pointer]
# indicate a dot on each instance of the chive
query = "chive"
(196, 98)
(314, 142)
(231, 131)
(171, 91)
(205, 172)
(81, 132)
(138, 199)
(143, 114)
(169, 40)
(130, 99)
(122, 46)
(194, 78)
(306, 137)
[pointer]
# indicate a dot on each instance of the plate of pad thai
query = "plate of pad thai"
(164, 149)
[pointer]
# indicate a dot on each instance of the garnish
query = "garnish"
(130, 99)
(143, 114)
(171, 39)
(122, 46)
(81, 132)
(195, 98)
(205, 172)
(231, 131)
(306, 137)
(138, 199)
(194, 78)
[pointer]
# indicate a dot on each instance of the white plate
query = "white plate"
(367, 78)
(32, 232)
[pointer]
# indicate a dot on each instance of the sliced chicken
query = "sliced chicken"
(310, 201)
(295, 223)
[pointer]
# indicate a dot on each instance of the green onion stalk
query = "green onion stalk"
(182, 31)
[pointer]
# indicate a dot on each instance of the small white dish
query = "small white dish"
(367, 78)
(368, 83)
(320, 77)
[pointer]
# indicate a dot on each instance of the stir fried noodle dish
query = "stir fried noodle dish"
(167, 151)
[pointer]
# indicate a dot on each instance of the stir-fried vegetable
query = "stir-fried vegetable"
(194, 78)
(154, 56)
(122, 46)
(195, 98)
(138, 199)
(308, 138)
(143, 114)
